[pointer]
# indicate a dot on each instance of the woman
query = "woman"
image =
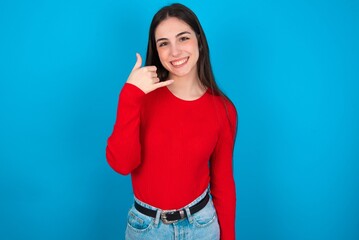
(175, 132)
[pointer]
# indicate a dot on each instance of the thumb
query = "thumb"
(138, 61)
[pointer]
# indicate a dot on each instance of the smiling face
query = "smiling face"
(177, 48)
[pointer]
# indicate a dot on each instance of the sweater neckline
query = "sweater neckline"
(187, 101)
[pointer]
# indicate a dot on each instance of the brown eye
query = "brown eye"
(162, 44)
(182, 39)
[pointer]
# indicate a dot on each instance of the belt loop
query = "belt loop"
(158, 216)
(189, 216)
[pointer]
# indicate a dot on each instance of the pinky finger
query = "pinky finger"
(163, 84)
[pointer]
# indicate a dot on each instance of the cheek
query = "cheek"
(161, 54)
(193, 47)
(195, 51)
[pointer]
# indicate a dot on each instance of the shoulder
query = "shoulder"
(225, 105)
(230, 106)
(226, 112)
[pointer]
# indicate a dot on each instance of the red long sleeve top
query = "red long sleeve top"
(175, 148)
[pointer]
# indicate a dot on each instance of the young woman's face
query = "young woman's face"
(177, 47)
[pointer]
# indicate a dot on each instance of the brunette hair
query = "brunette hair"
(204, 69)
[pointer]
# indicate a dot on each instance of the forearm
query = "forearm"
(123, 151)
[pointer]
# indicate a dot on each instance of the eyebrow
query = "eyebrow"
(179, 34)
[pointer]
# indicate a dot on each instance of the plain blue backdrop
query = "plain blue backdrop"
(290, 67)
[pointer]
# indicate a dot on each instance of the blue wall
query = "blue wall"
(290, 67)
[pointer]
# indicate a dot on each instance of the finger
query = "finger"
(138, 61)
(156, 80)
(154, 74)
(151, 68)
(163, 84)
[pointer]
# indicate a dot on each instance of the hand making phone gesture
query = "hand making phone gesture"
(145, 78)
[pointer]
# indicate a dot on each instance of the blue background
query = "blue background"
(290, 67)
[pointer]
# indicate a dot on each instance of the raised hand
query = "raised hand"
(145, 78)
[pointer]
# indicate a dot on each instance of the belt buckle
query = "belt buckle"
(164, 216)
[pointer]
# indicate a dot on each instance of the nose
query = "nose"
(175, 50)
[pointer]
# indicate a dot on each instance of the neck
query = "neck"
(186, 87)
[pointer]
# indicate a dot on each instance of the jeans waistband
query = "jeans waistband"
(187, 206)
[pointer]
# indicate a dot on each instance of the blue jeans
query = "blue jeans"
(202, 225)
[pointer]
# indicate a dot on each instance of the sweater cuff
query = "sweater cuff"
(132, 93)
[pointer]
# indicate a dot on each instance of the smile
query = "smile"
(180, 62)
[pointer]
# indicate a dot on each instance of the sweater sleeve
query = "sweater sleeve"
(123, 151)
(222, 181)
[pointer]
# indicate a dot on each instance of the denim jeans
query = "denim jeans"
(202, 225)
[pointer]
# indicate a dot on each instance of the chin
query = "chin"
(180, 72)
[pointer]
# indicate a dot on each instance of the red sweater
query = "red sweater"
(175, 148)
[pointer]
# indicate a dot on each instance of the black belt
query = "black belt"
(168, 217)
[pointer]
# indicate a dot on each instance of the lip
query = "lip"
(179, 62)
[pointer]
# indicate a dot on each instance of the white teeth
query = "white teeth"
(177, 63)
